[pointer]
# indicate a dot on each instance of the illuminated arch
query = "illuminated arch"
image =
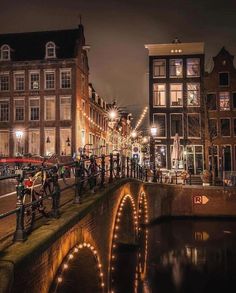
(65, 264)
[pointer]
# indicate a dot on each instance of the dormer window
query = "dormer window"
(50, 50)
(5, 52)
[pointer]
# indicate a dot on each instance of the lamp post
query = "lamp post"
(113, 116)
(152, 151)
(19, 136)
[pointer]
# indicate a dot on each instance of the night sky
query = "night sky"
(117, 31)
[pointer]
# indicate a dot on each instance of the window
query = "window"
(49, 108)
(225, 127)
(234, 100)
(224, 79)
(234, 126)
(4, 110)
(34, 109)
(34, 81)
(49, 80)
(194, 128)
(227, 158)
(160, 121)
(213, 128)
(5, 52)
(159, 68)
(4, 82)
(34, 141)
(50, 50)
(224, 101)
(4, 145)
(159, 94)
(19, 81)
(49, 141)
(193, 94)
(19, 106)
(161, 156)
(65, 78)
(176, 94)
(176, 68)
(193, 67)
(211, 102)
(65, 108)
(65, 141)
(176, 124)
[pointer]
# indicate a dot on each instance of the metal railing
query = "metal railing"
(36, 188)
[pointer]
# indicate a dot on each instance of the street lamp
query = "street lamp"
(113, 116)
(19, 136)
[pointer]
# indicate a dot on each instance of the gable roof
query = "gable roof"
(31, 45)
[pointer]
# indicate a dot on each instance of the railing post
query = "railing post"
(127, 160)
(77, 182)
(134, 168)
(154, 172)
(122, 166)
(20, 234)
(176, 177)
(146, 175)
(56, 194)
(118, 165)
(111, 168)
(103, 171)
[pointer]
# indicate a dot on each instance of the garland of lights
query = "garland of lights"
(141, 118)
(65, 264)
(91, 120)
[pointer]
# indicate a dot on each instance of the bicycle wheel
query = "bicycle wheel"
(29, 213)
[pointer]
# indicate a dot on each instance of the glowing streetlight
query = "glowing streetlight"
(134, 134)
(19, 134)
(153, 130)
(113, 114)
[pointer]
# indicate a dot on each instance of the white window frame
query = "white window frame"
(180, 136)
(162, 145)
(153, 94)
(200, 130)
(175, 76)
(181, 106)
(14, 105)
(45, 80)
(221, 109)
(37, 130)
(160, 114)
(34, 98)
(153, 66)
(9, 110)
(196, 83)
(47, 98)
(8, 147)
(228, 79)
(70, 97)
(5, 74)
(229, 118)
(45, 139)
(70, 137)
(193, 76)
(31, 72)
(5, 48)
(65, 70)
(49, 46)
(15, 73)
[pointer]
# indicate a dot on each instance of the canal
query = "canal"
(184, 256)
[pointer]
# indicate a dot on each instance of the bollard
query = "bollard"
(111, 168)
(103, 171)
(56, 194)
(20, 235)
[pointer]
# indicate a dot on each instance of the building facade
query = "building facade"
(220, 94)
(43, 92)
(176, 108)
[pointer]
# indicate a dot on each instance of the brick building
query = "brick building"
(220, 92)
(176, 74)
(43, 92)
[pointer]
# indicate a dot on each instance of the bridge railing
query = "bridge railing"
(39, 186)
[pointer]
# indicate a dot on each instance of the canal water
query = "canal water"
(175, 256)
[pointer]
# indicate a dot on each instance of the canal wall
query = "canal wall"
(34, 265)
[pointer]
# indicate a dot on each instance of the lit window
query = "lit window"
(176, 68)
(4, 82)
(161, 156)
(19, 106)
(176, 94)
(49, 108)
(160, 121)
(193, 94)
(193, 67)
(19, 81)
(194, 128)
(224, 101)
(65, 108)
(5, 52)
(159, 94)
(176, 122)
(65, 141)
(34, 141)
(4, 110)
(34, 81)
(225, 127)
(4, 145)
(224, 79)
(159, 68)
(65, 78)
(49, 141)
(49, 80)
(50, 50)
(34, 109)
